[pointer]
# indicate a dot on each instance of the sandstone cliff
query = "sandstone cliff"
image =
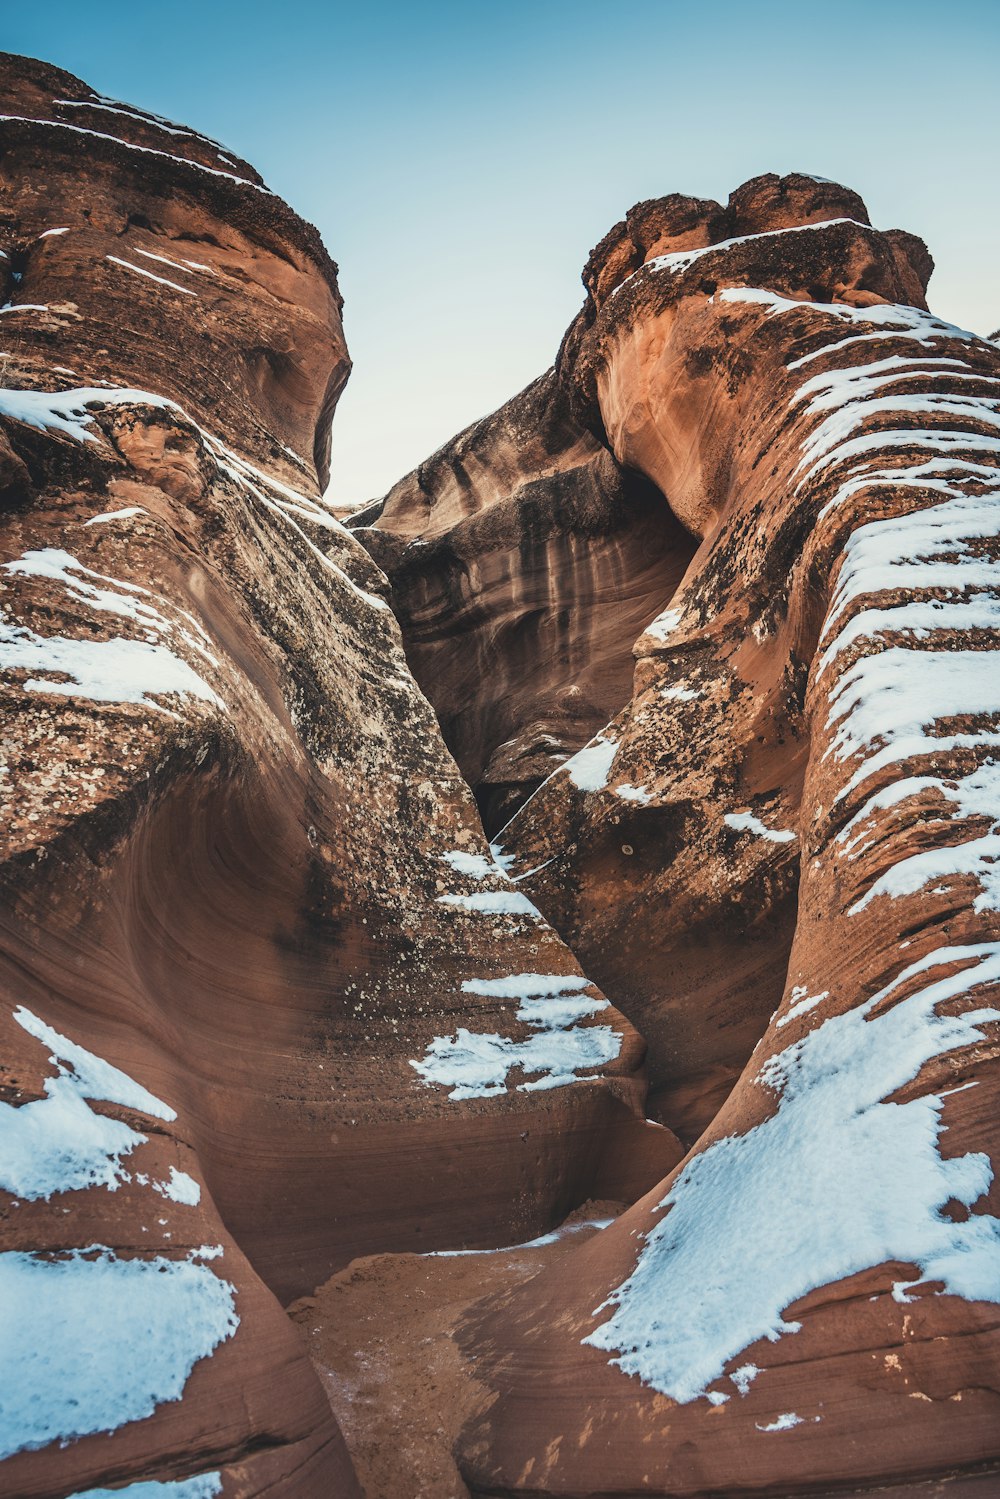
(707, 618)
(778, 857)
(268, 1002)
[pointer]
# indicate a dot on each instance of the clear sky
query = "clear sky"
(460, 160)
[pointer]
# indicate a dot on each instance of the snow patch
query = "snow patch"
(200, 1486)
(590, 767)
(94, 1342)
(664, 624)
(550, 1238)
(781, 1423)
(141, 271)
(477, 1066)
(58, 1144)
(117, 140)
(836, 1181)
(492, 903)
(105, 671)
(629, 793)
(744, 1377)
(125, 514)
(745, 822)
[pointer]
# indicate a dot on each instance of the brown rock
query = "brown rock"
(239, 864)
(524, 561)
(810, 1300)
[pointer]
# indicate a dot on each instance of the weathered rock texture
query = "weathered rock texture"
(811, 1301)
(524, 562)
(266, 1001)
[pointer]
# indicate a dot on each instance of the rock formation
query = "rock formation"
(709, 613)
(779, 857)
(524, 562)
(267, 1001)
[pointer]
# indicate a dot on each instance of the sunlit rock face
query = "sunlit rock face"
(780, 857)
(524, 562)
(267, 1001)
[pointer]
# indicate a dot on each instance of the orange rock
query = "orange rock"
(239, 865)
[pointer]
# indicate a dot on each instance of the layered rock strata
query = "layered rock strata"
(524, 562)
(811, 1300)
(267, 1000)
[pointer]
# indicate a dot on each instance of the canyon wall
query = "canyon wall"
(267, 1000)
(778, 857)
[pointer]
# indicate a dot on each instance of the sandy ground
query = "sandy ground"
(380, 1335)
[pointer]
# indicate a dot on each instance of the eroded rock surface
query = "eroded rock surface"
(267, 1001)
(812, 1299)
(524, 562)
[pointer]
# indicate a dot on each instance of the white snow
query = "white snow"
(180, 1188)
(141, 271)
(125, 669)
(62, 567)
(926, 475)
(679, 693)
(556, 1013)
(58, 1144)
(186, 266)
(95, 1078)
(744, 1377)
(24, 307)
(476, 866)
(891, 315)
(664, 624)
(144, 150)
(125, 514)
(745, 822)
(477, 1066)
(835, 1182)
(526, 985)
(926, 548)
(550, 1238)
(934, 439)
(93, 1342)
(200, 1486)
(106, 671)
(111, 106)
(629, 793)
(978, 611)
(781, 1423)
(893, 697)
(681, 260)
(850, 395)
(492, 903)
(801, 1003)
(49, 233)
(590, 767)
(66, 410)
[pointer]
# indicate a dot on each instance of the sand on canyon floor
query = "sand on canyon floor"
(380, 1336)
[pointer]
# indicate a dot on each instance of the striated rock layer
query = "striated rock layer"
(524, 562)
(810, 1302)
(267, 1002)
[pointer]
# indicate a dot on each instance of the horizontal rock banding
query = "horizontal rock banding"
(240, 868)
(820, 1272)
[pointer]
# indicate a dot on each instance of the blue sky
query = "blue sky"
(460, 160)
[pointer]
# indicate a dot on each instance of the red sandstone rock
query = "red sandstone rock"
(271, 1002)
(239, 865)
(811, 1299)
(524, 562)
